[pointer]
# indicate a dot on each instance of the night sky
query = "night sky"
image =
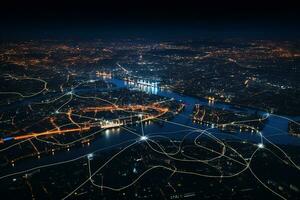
(24, 16)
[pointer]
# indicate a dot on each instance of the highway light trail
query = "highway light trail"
(142, 108)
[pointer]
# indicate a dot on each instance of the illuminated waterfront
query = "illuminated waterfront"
(83, 129)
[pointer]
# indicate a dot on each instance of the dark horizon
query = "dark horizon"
(70, 13)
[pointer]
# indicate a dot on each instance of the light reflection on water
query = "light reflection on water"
(149, 87)
(276, 126)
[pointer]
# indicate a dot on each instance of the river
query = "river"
(275, 129)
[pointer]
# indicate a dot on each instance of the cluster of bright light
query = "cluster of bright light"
(91, 81)
(143, 137)
(260, 145)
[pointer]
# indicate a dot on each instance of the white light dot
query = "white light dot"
(260, 145)
(90, 156)
(144, 137)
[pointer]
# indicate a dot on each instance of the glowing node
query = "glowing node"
(90, 156)
(140, 115)
(92, 81)
(143, 138)
(56, 112)
(261, 145)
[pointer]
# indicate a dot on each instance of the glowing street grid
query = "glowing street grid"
(90, 137)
